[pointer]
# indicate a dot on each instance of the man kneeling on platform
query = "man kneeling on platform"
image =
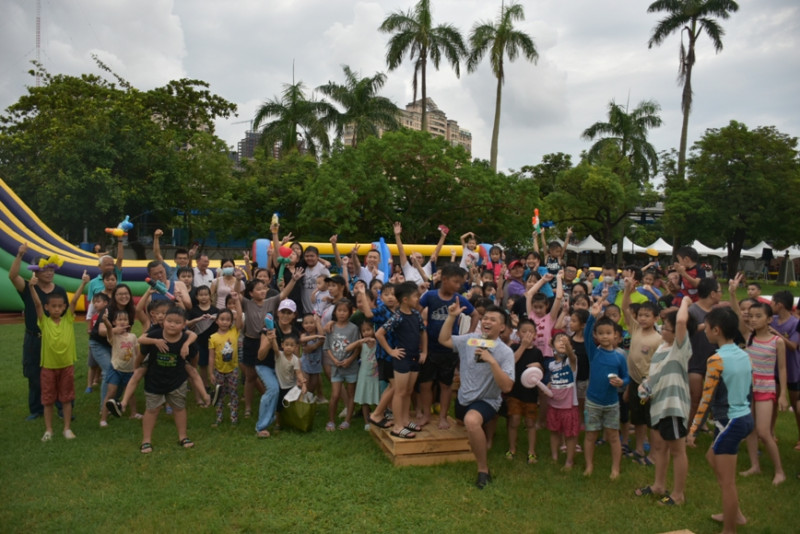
(487, 371)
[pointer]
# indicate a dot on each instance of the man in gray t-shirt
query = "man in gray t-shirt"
(487, 371)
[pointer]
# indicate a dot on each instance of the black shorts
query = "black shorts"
(385, 370)
(482, 407)
(793, 386)
(638, 413)
(250, 351)
(406, 364)
(697, 364)
(671, 428)
(439, 367)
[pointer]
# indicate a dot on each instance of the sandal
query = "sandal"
(643, 492)
(405, 433)
(47, 436)
(532, 459)
(247, 414)
(666, 500)
(642, 460)
(344, 425)
(145, 448)
(263, 434)
(137, 416)
(186, 443)
(383, 423)
(330, 427)
(413, 427)
(510, 455)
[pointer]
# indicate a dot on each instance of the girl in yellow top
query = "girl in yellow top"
(223, 358)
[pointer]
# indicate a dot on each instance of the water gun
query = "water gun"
(537, 227)
(159, 287)
(122, 228)
(275, 219)
(269, 322)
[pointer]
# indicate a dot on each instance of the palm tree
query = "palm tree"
(365, 111)
(414, 33)
(690, 17)
(500, 39)
(297, 120)
(628, 131)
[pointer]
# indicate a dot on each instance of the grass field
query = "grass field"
(327, 482)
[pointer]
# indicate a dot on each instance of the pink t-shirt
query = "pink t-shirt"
(544, 333)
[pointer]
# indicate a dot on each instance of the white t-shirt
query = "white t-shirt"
(365, 275)
(411, 273)
(310, 284)
(201, 279)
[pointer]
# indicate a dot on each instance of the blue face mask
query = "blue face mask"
(227, 271)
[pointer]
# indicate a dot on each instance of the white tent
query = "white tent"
(756, 251)
(629, 247)
(794, 252)
(661, 246)
(590, 244)
(703, 250)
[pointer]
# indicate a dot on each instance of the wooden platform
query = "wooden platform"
(431, 446)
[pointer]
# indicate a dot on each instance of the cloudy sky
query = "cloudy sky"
(590, 52)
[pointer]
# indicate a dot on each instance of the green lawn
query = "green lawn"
(326, 482)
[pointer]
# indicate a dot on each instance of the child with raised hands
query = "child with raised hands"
(124, 349)
(667, 388)
(521, 401)
(562, 412)
(59, 353)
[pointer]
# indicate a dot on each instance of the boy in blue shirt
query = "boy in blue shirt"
(608, 372)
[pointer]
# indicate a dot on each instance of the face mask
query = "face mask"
(227, 271)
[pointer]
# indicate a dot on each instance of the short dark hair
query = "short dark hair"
(497, 309)
(152, 265)
(101, 296)
(672, 319)
(404, 290)
(291, 335)
(109, 274)
(725, 319)
(311, 248)
(451, 270)
(756, 284)
(55, 296)
(155, 304)
(706, 287)
(181, 251)
(637, 272)
(687, 252)
(604, 321)
(652, 307)
(608, 266)
(783, 297)
(583, 315)
(202, 288)
(176, 310)
(182, 270)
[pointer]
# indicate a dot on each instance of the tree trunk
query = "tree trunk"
(735, 252)
(424, 118)
(496, 127)
(686, 104)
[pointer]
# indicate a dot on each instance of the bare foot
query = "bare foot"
(741, 520)
(779, 478)
(567, 467)
(752, 471)
(444, 424)
(422, 419)
(614, 475)
(588, 471)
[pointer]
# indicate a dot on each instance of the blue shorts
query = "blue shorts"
(406, 364)
(311, 363)
(118, 378)
(345, 374)
(480, 406)
(728, 434)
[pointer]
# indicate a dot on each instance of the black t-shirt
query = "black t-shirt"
(579, 348)
(520, 392)
(94, 333)
(166, 371)
(204, 335)
(31, 320)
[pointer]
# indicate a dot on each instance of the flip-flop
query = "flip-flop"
(666, 500)
(643, 492)
(383, 423)
(405, 433)
(186, 443)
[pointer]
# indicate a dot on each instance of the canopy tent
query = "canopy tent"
(703, 250)
(794, 252)
(590, 244)
(756, 251)
(629, 247)
(661, 246)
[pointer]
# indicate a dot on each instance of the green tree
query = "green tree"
(85, 151)
(420, 180)
(691, 17)
(364, 111)
(742, 186)
(628, 132)
(597, 198)
(500, 39)
(545, 174)
(296, 120)
(414, 32)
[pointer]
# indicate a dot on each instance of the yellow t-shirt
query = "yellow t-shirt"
(226, 350)
(643, 346)
(58, 341)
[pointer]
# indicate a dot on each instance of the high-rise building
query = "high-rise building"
(437, 124)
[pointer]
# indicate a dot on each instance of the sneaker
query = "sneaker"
(103, 424)
(88, 390)
(69, 434)
(483, 480)
(215, 394)
(114, 407)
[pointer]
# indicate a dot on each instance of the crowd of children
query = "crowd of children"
(641, 353)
